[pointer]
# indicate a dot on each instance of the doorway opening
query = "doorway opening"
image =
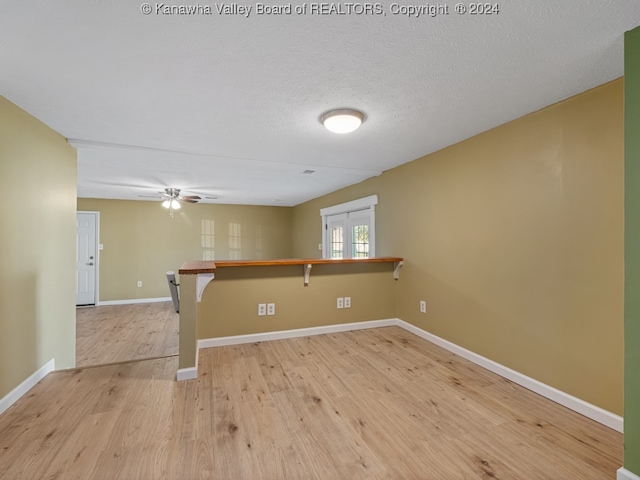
(120, 331)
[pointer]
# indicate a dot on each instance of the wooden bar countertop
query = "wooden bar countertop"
(195, 267)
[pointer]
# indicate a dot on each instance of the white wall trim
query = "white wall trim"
(299, 332)
(187, 373)
(191, 372)
(624, 474)
(14, 395)
(353, 205)
(573, 403)
(134, 300)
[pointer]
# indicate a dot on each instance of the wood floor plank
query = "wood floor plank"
(75, 457)
(72, 400)
(272, 365)
(372, 404)
(328, 436)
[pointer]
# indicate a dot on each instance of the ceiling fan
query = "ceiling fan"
(172, 199)
(173, 195)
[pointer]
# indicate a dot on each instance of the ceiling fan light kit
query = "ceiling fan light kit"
(342, 120)
(173, 198)
(173, 203)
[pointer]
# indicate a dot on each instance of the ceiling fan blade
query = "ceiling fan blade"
(187, 200)
(151, 196)
(190, 197)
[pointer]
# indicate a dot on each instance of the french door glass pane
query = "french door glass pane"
(360, 241)
(337, 243)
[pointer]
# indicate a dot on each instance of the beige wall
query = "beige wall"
(515, 240)
(142, 241)
(37, 247)
(230, 302)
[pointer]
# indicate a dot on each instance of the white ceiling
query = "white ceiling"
(228, 106)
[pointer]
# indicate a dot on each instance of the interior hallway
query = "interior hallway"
(122, 333)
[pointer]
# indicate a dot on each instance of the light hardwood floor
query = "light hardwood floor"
(371, 404)
(121, 333)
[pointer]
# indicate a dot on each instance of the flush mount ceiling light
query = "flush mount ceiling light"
(342, 120)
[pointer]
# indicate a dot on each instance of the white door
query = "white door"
(86, 261)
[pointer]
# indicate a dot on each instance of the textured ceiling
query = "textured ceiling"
(228, 105)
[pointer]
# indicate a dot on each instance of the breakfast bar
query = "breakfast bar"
(219, 301)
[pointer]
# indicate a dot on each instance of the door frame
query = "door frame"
(96, 294)
(358, 208)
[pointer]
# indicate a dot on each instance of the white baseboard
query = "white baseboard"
(573, 403)
(14, 395)
(187, 373)
(299, 332)
(624, 474)
(133, 300)
(191, 372)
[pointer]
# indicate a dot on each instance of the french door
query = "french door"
(347, 234)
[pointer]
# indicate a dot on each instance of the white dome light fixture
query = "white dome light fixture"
(342, 120)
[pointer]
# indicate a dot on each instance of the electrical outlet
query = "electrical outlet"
(347, 302)
(139, 283)
(340, 302)
(271, 308)
(262, 309)
(423, 306)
